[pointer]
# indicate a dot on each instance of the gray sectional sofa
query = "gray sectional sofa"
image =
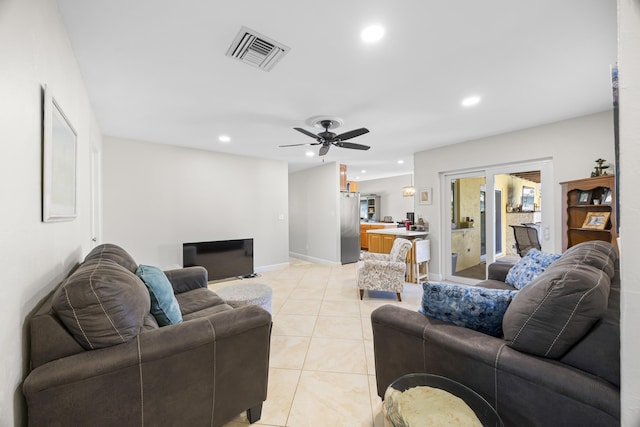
(558, 363)
(99, 358)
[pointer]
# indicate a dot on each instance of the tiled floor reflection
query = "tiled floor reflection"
(322, 364)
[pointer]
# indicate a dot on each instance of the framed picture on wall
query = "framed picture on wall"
(528, 197)
(58, 163)
(425, 197)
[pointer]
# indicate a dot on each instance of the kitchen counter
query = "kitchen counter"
(399, 232)
(384, 224)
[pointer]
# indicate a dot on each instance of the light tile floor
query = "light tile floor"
(322, 364)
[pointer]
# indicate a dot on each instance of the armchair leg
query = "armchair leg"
(361, 293)
(254, 414)
(398, 295)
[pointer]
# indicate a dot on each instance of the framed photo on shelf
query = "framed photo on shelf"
(606, 197)
(596, 220)
(584, 197)
(426, 196)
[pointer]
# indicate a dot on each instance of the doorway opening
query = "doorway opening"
(483, 206)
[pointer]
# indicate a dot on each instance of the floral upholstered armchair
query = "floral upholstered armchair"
(384, 272)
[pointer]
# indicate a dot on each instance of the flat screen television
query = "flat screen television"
(223, 259)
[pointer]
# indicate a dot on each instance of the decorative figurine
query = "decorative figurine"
(599, 170)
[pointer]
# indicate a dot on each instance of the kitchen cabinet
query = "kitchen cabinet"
(381, 243)
(578, 201)
(364, 237)
(343, 177)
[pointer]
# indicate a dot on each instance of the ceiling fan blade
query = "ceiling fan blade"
(297, 145)
(324, 149)
(352, 145)
(351, 134)
(306, 132)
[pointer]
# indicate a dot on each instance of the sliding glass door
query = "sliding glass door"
(480, 207)
(467, 237)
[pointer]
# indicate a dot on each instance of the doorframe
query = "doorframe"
(547, 190)
(96, 195)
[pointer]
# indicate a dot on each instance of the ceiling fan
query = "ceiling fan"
(326, 138)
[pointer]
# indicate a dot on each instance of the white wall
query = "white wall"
(314, 214)
(572, 145)
(34, 256)
(629, 63)
(392, 203)
(157, 197)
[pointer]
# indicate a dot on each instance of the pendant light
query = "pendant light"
(410, 190)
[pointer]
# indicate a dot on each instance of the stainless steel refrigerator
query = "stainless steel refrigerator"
(349, 227)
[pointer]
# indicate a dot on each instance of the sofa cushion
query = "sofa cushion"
(472, 307)
(551, 314)
(102, 304)
(529, 267)
(113, 253)
(197, 299)
(206, 312)
(164, 305)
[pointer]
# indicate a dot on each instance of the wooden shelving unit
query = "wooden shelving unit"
(574, 210)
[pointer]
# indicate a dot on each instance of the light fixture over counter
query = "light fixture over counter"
(409, 190)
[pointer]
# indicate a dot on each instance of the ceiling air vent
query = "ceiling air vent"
(256, 50)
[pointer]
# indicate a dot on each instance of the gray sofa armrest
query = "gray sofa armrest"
(403, 344)
(499, 270)
(187, 279)
(218, 363)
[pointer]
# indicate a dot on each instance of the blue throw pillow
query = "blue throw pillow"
(472, 307)
(533, 264)
(164, 305)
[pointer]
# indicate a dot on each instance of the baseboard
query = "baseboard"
(314, 259)
(272, 267)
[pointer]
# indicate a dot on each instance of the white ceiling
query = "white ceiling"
(156, 71)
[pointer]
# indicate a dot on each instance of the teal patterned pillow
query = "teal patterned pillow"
(164, 305)
(472, 307)
(528, 268)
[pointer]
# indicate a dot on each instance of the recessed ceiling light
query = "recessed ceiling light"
(310, 154)
(372, 34)
(400, 162)
(363, 171)
(224, 138)
(470, 101)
